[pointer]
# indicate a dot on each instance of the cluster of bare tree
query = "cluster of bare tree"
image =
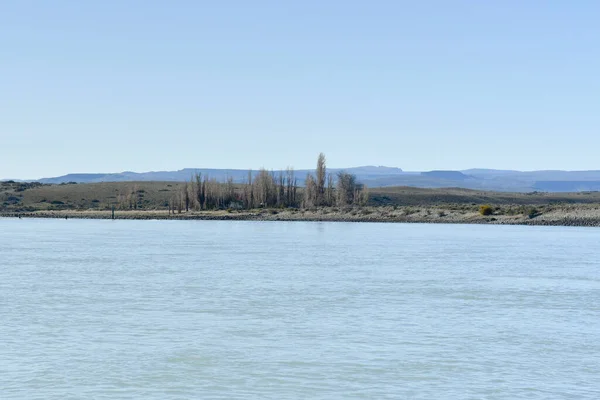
(264, 190)
(268, 189)
(131, 199)
(326, 190)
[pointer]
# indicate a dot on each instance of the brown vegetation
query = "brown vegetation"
(270, 190)
(263, 190)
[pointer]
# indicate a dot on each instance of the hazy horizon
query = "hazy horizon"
(281, 169)
(137, 86)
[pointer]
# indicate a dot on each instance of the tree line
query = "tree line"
(271, 190)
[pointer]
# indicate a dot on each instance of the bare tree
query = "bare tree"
(179, 202)
(281, 190)
(193, 193)
(199, 190)
(310, 190)
(346, 188)
(229, 195)
(329, 191)
(292, 185)
(247, 192)
(363, 196)
(321, 173)
(265, 189)
(186, 196)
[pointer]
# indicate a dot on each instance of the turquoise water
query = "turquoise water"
(275, 310)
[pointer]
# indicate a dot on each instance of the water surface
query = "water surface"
(276, 310)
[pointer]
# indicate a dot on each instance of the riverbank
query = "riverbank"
(564, 215)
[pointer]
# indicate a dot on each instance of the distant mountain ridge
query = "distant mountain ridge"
(380, 176)
(238, 175)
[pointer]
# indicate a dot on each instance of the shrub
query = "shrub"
(486, 210)
(533, 212)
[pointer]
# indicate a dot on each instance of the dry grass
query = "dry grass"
(418, 196)
(145, 195)
(395, 202)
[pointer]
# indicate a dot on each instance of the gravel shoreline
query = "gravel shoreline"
(585, 216)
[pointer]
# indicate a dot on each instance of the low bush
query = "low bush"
(486, 210)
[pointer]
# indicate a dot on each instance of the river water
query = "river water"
(278, 310)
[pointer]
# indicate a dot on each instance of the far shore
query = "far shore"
(570, 215)
(151, 200)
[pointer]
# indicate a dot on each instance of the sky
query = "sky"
(112, 85)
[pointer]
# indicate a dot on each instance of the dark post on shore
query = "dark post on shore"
(112, 215)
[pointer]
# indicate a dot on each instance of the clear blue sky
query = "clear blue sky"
(107, 86)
